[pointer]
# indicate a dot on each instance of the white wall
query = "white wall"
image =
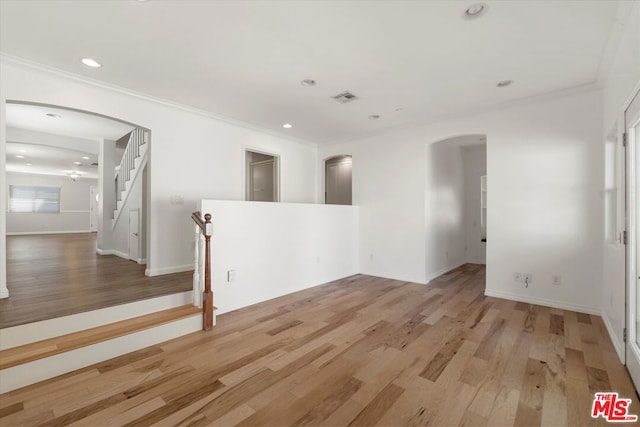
(622, 81)
(74, 213)
(192, 155)
(475, 166)
(544, 205)
(446, 211)
(4, 292)
(278, 248)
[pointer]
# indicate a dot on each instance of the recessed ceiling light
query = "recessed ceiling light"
(53, 115)
(23, 151)
(476, 10)
(308, 82)
(29, 164)
(85, 157)
(89, 62)
(77, 163)
(504, 83)
(20, 157)
(287, 125)
(374, 116)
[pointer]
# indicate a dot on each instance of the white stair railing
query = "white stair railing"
(137, 138)
(133, 159)
(198, 271)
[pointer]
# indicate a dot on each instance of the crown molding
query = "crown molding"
(31, 65)
(472, 112)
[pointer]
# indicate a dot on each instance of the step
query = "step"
(30, 363)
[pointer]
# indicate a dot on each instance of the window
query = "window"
(27, 198)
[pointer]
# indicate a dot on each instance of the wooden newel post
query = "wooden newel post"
(207, 297)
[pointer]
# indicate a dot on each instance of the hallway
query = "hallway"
(56, 275)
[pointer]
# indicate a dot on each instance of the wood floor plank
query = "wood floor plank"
(360, 351)
(56, 275)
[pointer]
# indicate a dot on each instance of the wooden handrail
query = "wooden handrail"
(207, 296)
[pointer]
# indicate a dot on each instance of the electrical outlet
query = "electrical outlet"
(231, 276)
(528, 278)
(556, 280)
(371, 257)
(517, 277)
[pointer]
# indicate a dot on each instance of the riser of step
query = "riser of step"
(38, 331)
(38, 370)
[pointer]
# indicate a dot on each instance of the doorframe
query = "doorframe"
(631, 229)
(276, 170)
(325, 162)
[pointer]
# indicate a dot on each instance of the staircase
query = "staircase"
(133, 162)
(27, 358)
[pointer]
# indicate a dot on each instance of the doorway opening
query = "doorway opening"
(262, 178)
(338, 180)
(456, 206)
(75, 258)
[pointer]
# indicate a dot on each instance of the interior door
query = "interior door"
(262, 177)
(338, 181)
(134, 234)
(632, 126)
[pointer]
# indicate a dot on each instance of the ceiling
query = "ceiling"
(50, 160)
(407, 61)
(42, 153)
(65, 122)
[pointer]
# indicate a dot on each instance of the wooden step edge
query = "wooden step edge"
(49, 347)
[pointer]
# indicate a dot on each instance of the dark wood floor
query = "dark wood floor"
(359, 351)
(56, 275)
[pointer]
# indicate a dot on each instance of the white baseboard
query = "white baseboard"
(141, 260)
(617, 344)
(420, 281)
(29, 233)
(543, 301)
(4, 293)
(445, 270)
(112, 252)
(45, 329)
(49, 367)
(168, 270)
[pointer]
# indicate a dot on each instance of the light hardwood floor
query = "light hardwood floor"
(60, 274)
(359, 351)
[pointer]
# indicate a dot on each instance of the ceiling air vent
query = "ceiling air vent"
(94, 164)
(345, 97)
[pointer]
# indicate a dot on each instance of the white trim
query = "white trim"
(617, 344)
(71, 211)
(112, 252)
(4, 293)
(471, 112)
(168, 270)
(420, 281)
(141, 260)
(445, 270)
(96, 83)
(30, 233)
(45, 329)
(544, 302)
(38, 370)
